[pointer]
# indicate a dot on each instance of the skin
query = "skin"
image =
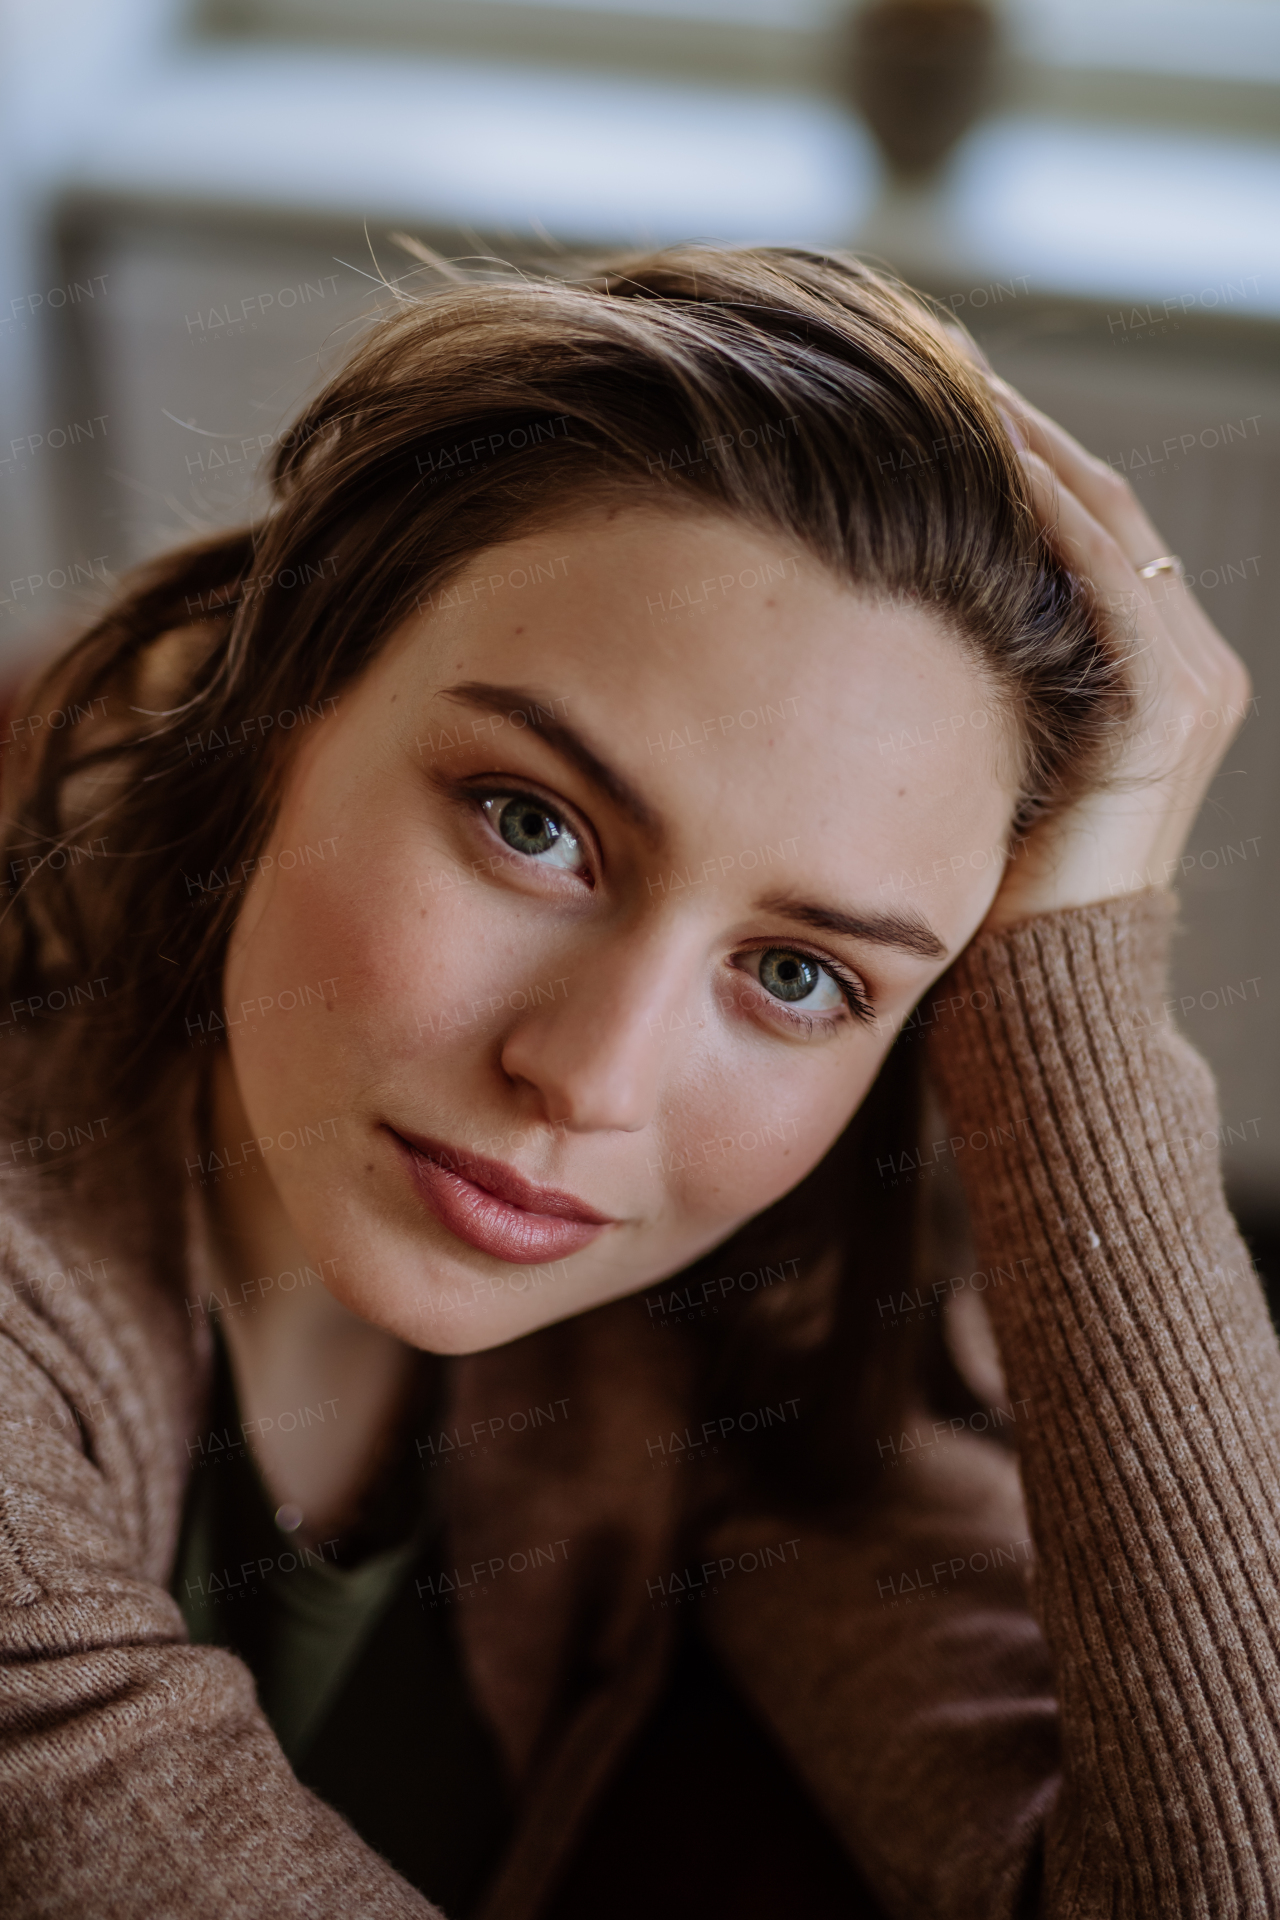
(1191, 689)
(652, 1074)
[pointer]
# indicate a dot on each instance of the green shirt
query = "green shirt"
(357, 1670)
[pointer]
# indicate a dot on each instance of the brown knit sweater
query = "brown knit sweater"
(1100, 1739)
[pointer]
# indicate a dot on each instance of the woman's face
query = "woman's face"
(608, 885)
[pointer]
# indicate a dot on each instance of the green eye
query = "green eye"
(533, 829)
(527, 828)
(788, 976)
(809, 989)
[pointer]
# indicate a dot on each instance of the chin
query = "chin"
(443, 1305)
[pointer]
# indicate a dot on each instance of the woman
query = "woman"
(480, 1213)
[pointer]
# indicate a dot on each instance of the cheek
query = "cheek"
(391, 971)
(330, 938)
(736, 1144)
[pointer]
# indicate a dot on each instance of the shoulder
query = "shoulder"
(102, 1364)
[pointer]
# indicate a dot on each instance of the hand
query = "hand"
(1191, 690)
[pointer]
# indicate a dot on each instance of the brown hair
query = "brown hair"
(803, 393)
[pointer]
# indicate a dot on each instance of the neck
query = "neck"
(297, 1348)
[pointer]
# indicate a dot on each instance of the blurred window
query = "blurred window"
(1207, 39)
(1179, 62)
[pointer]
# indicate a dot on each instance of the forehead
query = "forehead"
(710, 641)
(749, 698)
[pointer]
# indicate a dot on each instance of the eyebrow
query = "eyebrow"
(539, 710)
(902, 927)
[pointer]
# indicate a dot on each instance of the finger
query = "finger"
(1106, 494)
(1181, 682)
(1177, 608)
(1092, 551)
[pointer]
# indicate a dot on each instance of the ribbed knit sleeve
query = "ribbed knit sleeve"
(1087, 1132)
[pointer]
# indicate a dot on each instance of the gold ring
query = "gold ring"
(1167, 563)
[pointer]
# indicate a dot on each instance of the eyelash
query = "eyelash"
(853, 990)
(477, 797)
(851, 987)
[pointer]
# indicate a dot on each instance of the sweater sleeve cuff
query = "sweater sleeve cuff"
(1124, 942)
(1052, 1042)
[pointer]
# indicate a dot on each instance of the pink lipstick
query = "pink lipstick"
(494, 1208)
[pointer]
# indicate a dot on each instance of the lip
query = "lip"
(494, 1208)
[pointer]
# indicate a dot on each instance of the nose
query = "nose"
(596, 1057)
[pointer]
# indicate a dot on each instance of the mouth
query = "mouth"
(494, 1208)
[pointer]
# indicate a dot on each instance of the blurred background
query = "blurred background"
(199, 198)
